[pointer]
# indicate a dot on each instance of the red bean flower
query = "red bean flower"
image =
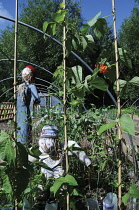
(102, 68)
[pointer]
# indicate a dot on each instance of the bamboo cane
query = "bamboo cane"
(118, 103)
(65, 101)
(15, 63)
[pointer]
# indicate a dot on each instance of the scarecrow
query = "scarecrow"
(27, 95)
(52, 154)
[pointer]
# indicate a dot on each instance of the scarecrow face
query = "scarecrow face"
(27, 74)
(46, 144)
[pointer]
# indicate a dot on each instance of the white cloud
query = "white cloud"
(5, 13)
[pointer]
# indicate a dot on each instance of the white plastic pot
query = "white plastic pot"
(92, 204)
(51, 206)
(110, 202)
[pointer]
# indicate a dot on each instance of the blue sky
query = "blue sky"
(89, 9)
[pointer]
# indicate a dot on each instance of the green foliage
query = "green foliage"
(133, 193)
(13, 168)
(128, 41)
(106, 127)
(34, 151)
(134, 81)
(78, 40)
(68, 180)
(12, 181)
(100, 27)
(126, 122)
(78, 86)
(128, 87)
(94, 20)
(90, 83)
(133, 110)
(124, 58)
(6, 149)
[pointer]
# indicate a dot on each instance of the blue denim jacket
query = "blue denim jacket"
(27, 95)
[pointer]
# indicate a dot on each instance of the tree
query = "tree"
(128, 39)
(6, 67)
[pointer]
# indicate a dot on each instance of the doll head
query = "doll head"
(28, 73)
(46, 144)
(47, 141)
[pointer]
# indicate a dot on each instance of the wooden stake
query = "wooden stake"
(65, 102)
(15, 76)
(118, 103)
